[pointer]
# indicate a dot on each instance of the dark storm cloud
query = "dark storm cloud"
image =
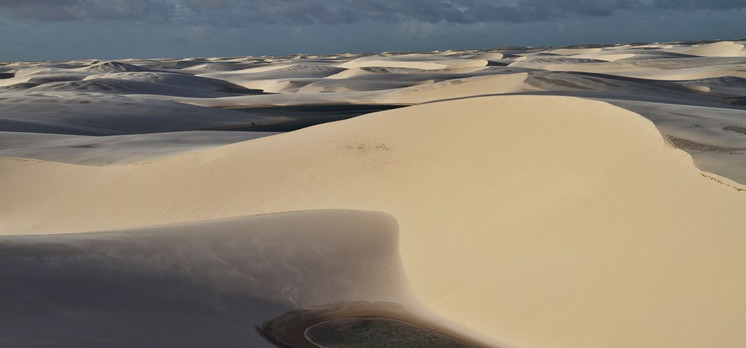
(82, 10)
(715, 5)
(245, 12)
(432, 11)
(237, 12)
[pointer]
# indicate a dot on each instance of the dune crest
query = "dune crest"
(535, 221)
(508, 83)
(392, 63)
(134, 96)
(718, 49)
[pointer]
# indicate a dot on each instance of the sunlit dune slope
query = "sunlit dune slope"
(536, 221)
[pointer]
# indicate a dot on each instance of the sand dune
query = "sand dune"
(490, 56)
(146, 83)
(113, 67)
(390, 63)
(413, 62)
(714, 137)
(277, 71)
(452, 89)
(655, 64)
(584, 196)
(575, 238)
(36, 77)
(115, 149)
(351, 72)
(717, 49)
(324, 86)
(695, 73)
(67, 112)
(194, 285)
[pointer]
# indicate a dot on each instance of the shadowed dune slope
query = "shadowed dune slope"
(66, 112)
(191, 285)
(535, 221)
(115, 149)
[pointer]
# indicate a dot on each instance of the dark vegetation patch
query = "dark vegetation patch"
(741, 130)
(686, 144)
(378, 332)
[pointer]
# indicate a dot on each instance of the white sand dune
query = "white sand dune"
(728, 86)
(277, 78)
(605, 57)
(367, 88)
(650, 65)
(713, 136)
(278, 71)
(542, 196)
(68, 112)
(351, 72)
(283, 99)
(165, 78)
(324, 86)
(708, 81)
(221, 66)
(113, 67)
(717, 49)
(696, 73)
(647, 73)
(509, 226)
(562, 63)
(115, 149)
(490, 56)
(452, 89)
(192, 285)
(395, 63)
(144, 83)
(37, 76)
(575, 51)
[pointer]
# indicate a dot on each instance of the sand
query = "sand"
(191, 285)
(115, 149)
(512, 201)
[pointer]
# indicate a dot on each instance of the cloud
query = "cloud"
(239, 12)
(713, 5)
(87, 10)
(248, 12)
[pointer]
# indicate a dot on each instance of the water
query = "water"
(377, 332)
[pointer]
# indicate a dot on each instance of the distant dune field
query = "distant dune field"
(518, 197)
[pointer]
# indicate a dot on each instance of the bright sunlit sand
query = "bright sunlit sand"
(588, 196)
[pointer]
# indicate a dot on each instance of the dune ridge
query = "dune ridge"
(718, 49)
(92, 97)
(582, 196)
(121, 149)
(589, 239)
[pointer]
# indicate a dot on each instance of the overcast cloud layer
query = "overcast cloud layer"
(247, 12)
(166, 26)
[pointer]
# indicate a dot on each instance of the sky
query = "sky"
(116, 29)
